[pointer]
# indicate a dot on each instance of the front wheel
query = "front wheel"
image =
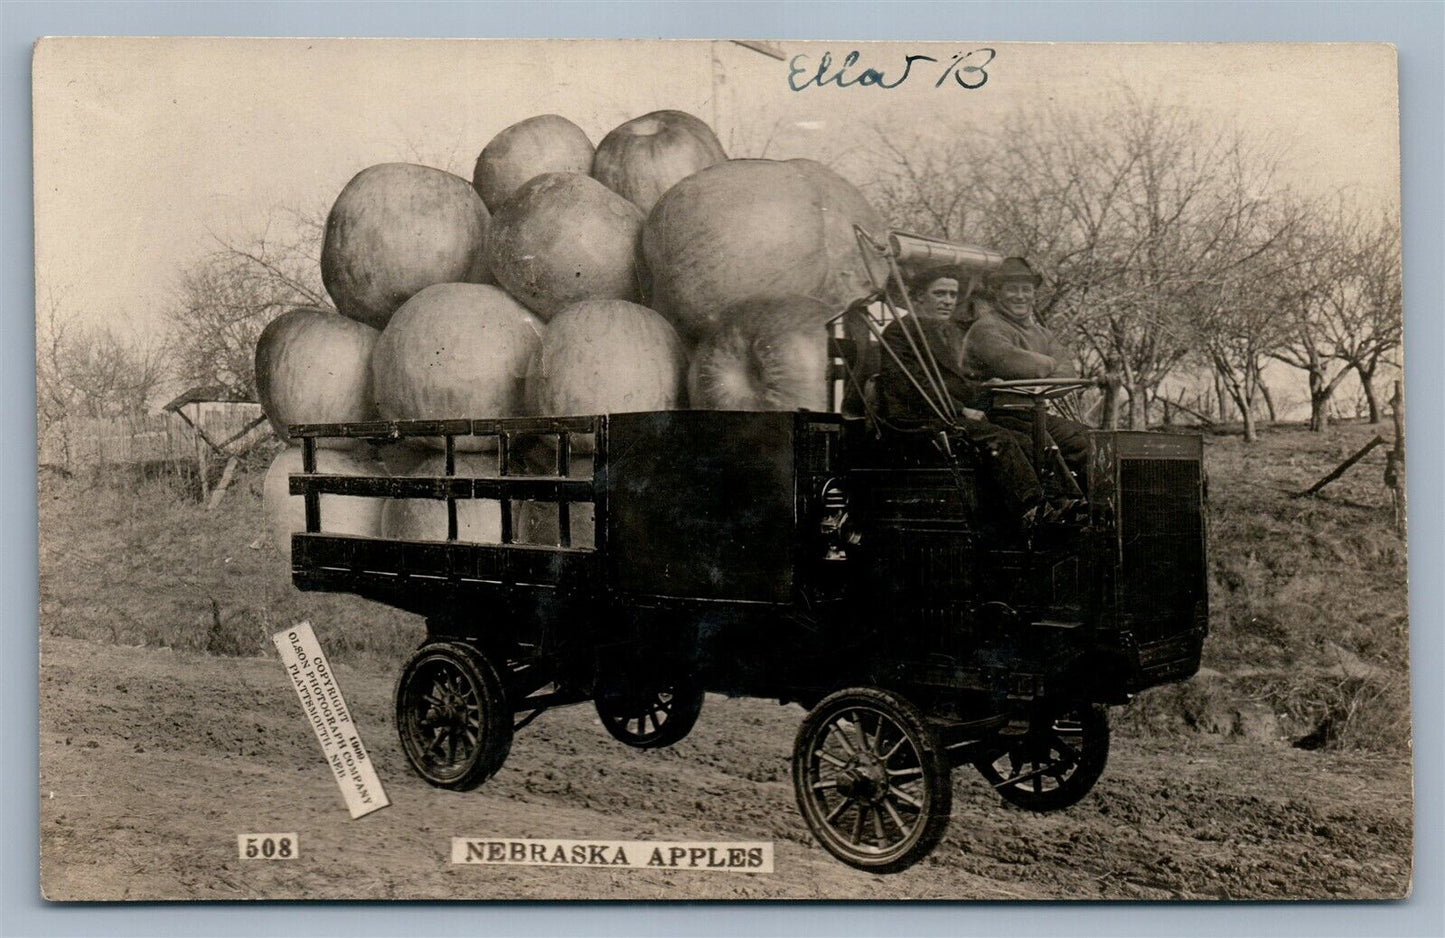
(872, 780)
(452, 716)
(1055, 763)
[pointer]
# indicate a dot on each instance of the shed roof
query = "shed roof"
(207, 394)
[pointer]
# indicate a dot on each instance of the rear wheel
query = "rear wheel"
(1055, 763)
(872, 780)
(651, 719)
(452, 716)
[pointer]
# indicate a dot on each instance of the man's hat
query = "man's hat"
(1015, 268)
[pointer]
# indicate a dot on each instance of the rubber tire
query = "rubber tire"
(494, 721)
(937, 777)
(1092, 762)
(687, 705)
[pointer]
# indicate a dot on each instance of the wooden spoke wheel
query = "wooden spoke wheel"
(1055, 763)
(452, 716)
(651, 719)
(872, 780)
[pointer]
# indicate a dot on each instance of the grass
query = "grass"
(1309, 613)
(1309, 638)
(142, 562)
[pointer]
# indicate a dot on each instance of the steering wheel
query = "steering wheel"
(1046, 388)
(1040, 391)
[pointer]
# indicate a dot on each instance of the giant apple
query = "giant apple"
(643, 158)
(422, 519)
(314, 366)
(564, 237)
(746, 228)
(547, 143)
(607, 356)
(455, 351)
(851, 274)
(397, 228)
(768, 353)
(340, 514)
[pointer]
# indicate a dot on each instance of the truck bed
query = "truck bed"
(699, 505)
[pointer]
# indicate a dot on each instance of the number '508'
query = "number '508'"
(268, 846)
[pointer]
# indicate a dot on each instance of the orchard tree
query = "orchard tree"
(1369, 331)
(1342, 305)
(1164, 207)
(224, 300)
(1237, 330)
(1308, 285)
(932, 187)
(85, 369)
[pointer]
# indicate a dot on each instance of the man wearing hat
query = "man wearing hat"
(932, 330)
(1008, 343)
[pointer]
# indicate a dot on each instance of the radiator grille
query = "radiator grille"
(1161, 534)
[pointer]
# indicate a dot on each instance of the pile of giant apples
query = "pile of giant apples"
(649, 272)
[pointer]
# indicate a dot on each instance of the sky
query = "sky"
(147, 148)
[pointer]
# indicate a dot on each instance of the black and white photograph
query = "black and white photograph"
(720, 470)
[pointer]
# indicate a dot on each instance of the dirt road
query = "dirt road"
(152, 761)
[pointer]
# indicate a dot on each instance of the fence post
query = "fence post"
(200, 456)
(1395, 461)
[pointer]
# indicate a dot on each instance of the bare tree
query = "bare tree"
(1305, 292)
(1341, 304)
(1369, 331)
(1237, 332)
(1187, 207)
(931, 187)
(1309, 286)
(1240, 318)
(90, 370)
(224, 300)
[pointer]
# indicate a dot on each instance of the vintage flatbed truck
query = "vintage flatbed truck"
(861, 572)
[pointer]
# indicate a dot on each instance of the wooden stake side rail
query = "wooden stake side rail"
(341, 561)
(533, 488)
(504, 486)
(400, 429)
